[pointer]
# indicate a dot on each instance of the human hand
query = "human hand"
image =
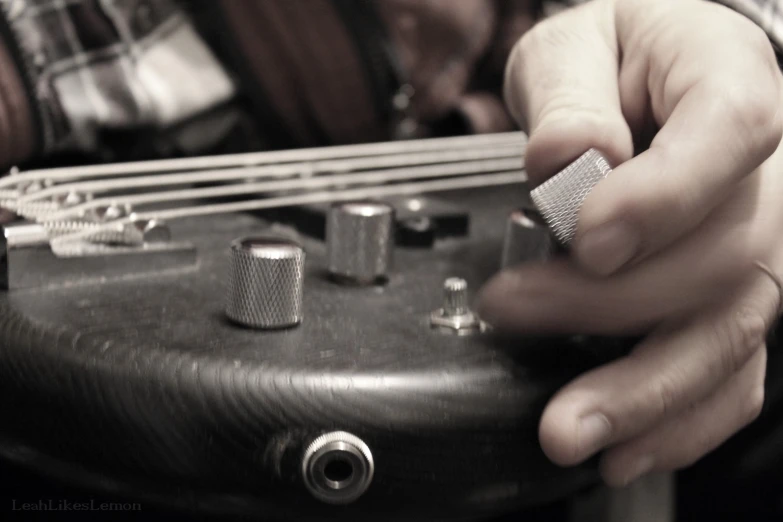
(669, 244)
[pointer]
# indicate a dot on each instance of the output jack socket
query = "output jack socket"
(337, 467)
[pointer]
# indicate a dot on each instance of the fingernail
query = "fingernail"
(641, 467)
(607, 248)
(595, 432)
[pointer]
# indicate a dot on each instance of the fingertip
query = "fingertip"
(490, 298)
(558, 435)
(605, 249)
(526, 298)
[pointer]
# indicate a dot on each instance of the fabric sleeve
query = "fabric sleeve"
(767, 14)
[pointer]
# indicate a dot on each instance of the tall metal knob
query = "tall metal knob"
(360, 241)
(561, 197)
(527, 238)
(265, 282)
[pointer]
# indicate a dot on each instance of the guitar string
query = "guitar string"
(288, 170)
(261, 158)
(434, 162)
(254, 189)
(467, 182)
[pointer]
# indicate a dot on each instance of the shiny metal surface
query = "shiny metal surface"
(337, 467)
(30, 265)
(155, 231)
(455, 316)
(455, 297)
(265, 282)
(561, 197)
(280, 178)
(527, 238)
(360, 241)
(326, 196)
(252, 159)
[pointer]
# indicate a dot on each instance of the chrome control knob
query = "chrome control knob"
(561, 197)
(265, 282)
(360, 241)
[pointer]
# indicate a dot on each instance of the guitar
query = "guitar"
(121, 371)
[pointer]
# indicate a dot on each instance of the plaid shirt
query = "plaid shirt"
(107, 66)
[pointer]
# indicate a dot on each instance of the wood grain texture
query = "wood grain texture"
(142, 386)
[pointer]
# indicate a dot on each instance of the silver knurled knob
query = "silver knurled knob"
(360, 241)
(265, 282)
(561, 197)
(527, 238)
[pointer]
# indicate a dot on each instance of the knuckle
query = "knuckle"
(752, 35)
(754, 110)
(548, 33)
(672, 199)
(740, 336)
(564, 106)
(757, 104)
(666, 391)
(525, 66)
(749, 108)
(756, 37)
(528, 40)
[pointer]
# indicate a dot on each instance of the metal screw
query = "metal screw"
(114, 211)
(156, 231)
(71, 199)
(109, 213)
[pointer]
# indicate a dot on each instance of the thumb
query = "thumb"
(562, 87)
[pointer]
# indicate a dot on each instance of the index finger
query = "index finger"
(718, 101)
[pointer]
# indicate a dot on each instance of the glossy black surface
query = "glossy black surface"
(141, 386)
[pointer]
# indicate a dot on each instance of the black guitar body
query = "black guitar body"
(140, 386)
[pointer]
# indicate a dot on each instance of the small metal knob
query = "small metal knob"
(337, 467)
(265, 282)
(561, 197)
(527, 238)
(455, 316)
(360, 241)
(455, 296)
